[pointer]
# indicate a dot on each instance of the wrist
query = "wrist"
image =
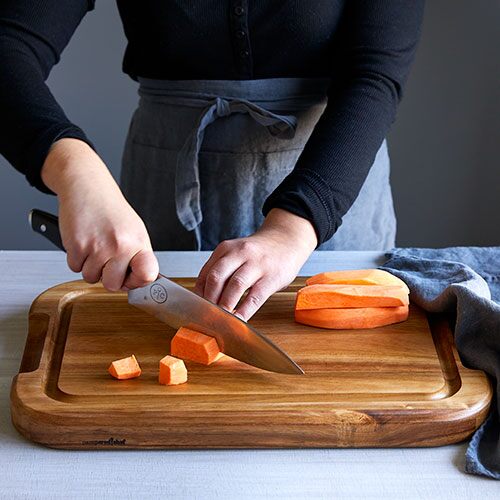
(294, 228)
(71, 162)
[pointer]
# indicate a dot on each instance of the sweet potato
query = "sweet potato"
(172, 371)
(194, 346)
(125, 368)
(356, 277)
(346, 319)
(350, 296)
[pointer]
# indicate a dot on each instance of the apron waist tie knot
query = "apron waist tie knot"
(187, 178)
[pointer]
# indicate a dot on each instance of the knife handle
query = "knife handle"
(47, 225)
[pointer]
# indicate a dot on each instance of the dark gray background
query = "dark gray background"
(445, 144)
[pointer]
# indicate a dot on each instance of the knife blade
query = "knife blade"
(177, 306)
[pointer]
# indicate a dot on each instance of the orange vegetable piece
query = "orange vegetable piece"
(350, 296)
(125, 368)
(356, 277)
(347, 319)
(195, 346)
(172, 371)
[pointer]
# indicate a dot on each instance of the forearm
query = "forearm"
(72, 164)
(377, 45)
(32, 36)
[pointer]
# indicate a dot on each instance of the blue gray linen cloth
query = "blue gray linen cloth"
(464, 281)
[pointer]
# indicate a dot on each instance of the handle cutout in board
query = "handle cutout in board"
(37, 332)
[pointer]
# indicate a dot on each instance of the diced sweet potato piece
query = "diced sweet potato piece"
(172, 371)
(350, 296)
(125, 368)
(194, 346)
(347, 319)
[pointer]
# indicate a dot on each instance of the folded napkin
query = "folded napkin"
(464, 281)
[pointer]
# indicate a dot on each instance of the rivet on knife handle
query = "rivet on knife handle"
(47, 225)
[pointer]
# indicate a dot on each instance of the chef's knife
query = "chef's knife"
(176, 306)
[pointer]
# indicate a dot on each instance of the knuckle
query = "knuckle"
(247, 247)
(110, 284)
(255, 299)
(140, 283)
(119, 242)
(95, 246)
(90, 276)
(144, 276)
(74, 266)
(76, 251)
(214, 277)
(225, 245)
(240, 281)
(74, 262)
(135, 281)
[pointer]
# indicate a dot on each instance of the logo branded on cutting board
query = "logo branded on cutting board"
(106, 442)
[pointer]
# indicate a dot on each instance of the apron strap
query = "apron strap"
(187, 177)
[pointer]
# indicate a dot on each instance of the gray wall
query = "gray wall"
(446, 141)
(445, 144)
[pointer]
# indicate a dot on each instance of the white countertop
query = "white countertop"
(31, 471)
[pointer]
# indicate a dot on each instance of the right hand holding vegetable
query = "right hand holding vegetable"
(102, 234)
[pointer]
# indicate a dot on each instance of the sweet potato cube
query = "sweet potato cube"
(172, 371)
(125, 368)
(194, 346)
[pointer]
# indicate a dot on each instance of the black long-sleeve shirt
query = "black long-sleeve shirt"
(365, 46)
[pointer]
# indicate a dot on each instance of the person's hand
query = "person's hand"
(261, 264)
(100, 231)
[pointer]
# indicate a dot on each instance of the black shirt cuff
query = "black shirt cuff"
(35, 157)
(304, 193)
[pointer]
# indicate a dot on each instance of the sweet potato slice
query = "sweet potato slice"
(194, 346)
(347, 319)
(172, 371)
(350, 296)
(356, 277)
(125, 368)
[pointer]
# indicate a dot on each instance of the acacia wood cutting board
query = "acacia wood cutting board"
(400, 385)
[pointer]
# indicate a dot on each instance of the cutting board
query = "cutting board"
(400, 385)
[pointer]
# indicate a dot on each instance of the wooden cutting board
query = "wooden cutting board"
(401, 385)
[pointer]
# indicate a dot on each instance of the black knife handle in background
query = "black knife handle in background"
(47, 225)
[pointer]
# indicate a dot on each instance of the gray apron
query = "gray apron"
(202, 156)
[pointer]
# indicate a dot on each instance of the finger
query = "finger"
(92, 267)
(75, 260)
(218, 253)
(145, 269)
(241, 280)
(256, 296)
(219, 273)
(114, 272)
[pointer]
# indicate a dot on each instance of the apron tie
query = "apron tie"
(187, 177)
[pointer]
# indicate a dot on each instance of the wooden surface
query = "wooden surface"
(31, 471)
(400, 385)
